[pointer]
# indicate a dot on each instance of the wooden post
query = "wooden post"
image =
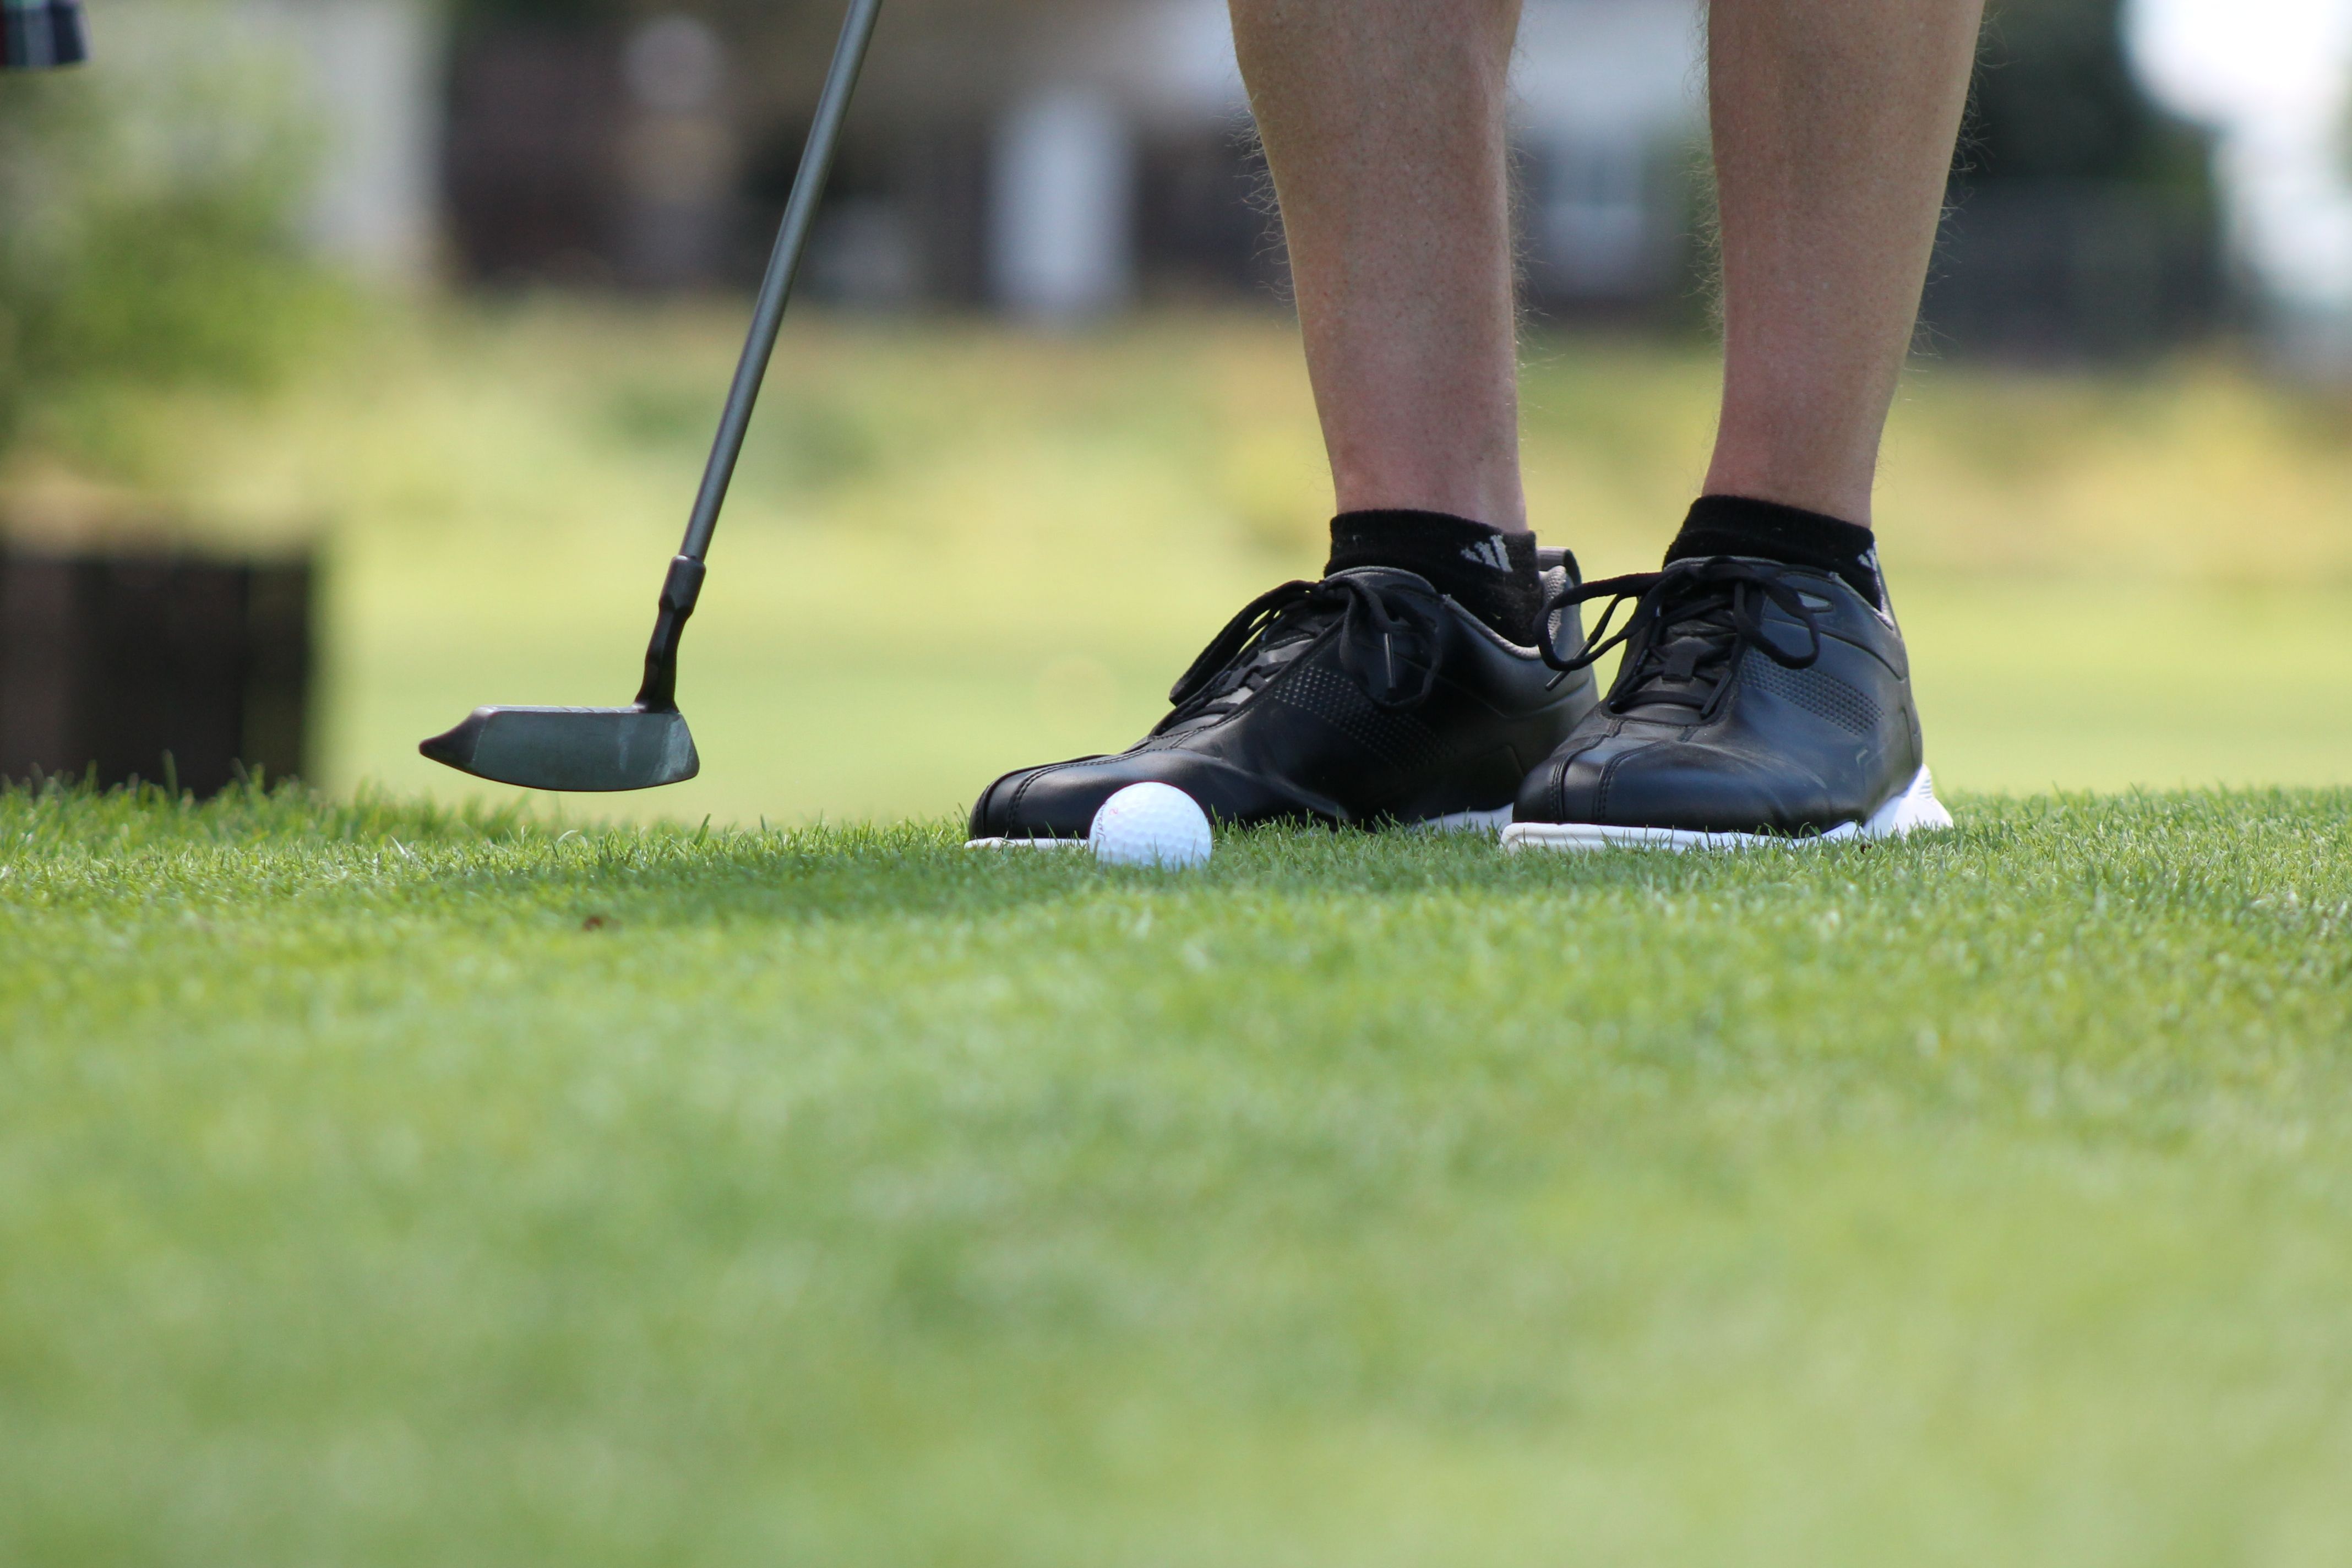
(108, 662)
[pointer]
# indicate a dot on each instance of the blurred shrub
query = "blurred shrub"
(2055, 97)
(149, 210)
(2083, 221)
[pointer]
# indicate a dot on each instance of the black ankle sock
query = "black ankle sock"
(1488, 573)
(1735, 525)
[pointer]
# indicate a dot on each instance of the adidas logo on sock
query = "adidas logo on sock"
(1489, 553)
(1869, 560)
(1884, 607)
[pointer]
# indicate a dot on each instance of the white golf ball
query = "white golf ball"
(1150, 825)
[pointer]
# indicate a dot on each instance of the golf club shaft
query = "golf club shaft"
(784, 262)
(684, 584)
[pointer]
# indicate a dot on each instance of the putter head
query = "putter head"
(571, 748)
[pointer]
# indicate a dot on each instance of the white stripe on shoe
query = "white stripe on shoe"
(1493, 821)
(1487, 822)
(1913, 809)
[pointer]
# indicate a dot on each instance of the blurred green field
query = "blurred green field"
(953, 548)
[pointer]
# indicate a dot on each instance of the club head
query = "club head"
(571, 748)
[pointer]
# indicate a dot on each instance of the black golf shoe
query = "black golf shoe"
(1366, 697)
(1757, 703)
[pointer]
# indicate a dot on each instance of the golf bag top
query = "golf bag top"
(40, 34)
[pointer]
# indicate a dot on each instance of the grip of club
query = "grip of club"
(41, 34)
(680, 588)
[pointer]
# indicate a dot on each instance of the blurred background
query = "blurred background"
(418, 313)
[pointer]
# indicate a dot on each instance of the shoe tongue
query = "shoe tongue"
(1682, 669)
(1388, 577)
(1284, 642)
(1302, 621)
(1289, 636)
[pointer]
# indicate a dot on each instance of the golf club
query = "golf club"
(647, 743)
(41, 34)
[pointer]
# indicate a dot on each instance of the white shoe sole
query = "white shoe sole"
(1487, 822)
(1914, 809)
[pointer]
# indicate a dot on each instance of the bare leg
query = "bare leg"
(1383, 121)
(1833, 124)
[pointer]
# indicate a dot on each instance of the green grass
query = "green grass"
(388, 1183)
(383, 1182)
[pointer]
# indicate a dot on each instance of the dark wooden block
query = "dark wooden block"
(112, 663)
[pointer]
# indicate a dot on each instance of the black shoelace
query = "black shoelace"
(1697, 616)
(1388, 642)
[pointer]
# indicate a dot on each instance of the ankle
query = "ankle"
(1792, 466)
(1488, 572)
(1742, 525)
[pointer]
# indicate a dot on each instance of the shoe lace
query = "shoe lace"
(1689, 623)
(1271, 630)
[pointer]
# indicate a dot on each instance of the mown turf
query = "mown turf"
(382, 1186)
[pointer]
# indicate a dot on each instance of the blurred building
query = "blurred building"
(1056, 161)
(2273, 81)
(2084, 220)
(361, 78)
(376, 67)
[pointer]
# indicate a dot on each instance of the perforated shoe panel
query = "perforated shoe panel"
(1399, 740)
(1815, 690)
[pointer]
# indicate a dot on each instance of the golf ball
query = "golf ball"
(1150, 825)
